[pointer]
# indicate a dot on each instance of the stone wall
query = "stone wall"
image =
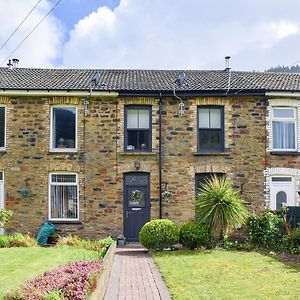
(101, 161)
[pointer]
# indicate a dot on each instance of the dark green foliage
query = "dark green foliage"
(230, 245)
(194, 234)
(285, 69)
(266, 230)
(159, 234)
(219, 206)
(5, 216)
(293, 241)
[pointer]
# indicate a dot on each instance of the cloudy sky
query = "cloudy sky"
(152, 34)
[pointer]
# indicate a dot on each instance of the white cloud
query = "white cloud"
(185, 34)
(43, 46)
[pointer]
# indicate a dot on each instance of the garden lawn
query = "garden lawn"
(221, 274)
(20, 264)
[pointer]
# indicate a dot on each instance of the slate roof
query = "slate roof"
(146, 80)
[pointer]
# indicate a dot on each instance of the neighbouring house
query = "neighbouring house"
(98, 151)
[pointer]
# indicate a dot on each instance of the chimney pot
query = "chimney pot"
(15, 62)
(10, 65)
(227, 63)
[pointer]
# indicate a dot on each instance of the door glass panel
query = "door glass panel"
(136, 180)
(281, 179)
(136, 198)
(281, 200)
(204, 118)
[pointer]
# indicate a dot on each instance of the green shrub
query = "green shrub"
(100, 246)
(194, 234)
(293, 241)
(17, 240)
(159, 234)
(266, 230)
(5, 216)
(230, 245)
(219, 206)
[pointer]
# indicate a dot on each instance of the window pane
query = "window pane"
(1, 175)
(144, 142)
(281, 199)
(132, 118)
(210, 140)
(144, 118)
(132, 139)
(283, 113)
(283, 135)
(203, 118)
(63, 178)
(215, 118)
(64, 127)
(64, 202)
(2, 126)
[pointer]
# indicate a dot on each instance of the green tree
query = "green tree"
(220, 207)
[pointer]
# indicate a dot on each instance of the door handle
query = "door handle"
(126, 214)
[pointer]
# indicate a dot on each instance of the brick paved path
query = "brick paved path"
(134, 276)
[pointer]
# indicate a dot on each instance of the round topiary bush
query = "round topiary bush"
(159, 234)
(194, 234)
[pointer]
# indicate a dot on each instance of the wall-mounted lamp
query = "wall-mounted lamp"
(137, 165)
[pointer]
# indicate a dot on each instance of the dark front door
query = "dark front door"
(136, 204)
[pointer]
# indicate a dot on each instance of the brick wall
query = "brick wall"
(101, 161)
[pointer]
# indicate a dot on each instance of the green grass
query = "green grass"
(20, 264)
(227, 275)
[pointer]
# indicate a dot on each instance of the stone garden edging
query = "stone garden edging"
(98, 293)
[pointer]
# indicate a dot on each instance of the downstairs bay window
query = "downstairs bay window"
(63, 197)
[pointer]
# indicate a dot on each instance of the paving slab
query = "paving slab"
(134, 276)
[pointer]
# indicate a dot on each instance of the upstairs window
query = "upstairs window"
(63, 197)
(138, 133)
(2, 128)
(210, 129)
(63, 129)
(284, 129)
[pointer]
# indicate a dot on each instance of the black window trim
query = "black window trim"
(129, 107)
(222, 129)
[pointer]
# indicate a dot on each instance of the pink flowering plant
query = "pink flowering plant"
(73, 281)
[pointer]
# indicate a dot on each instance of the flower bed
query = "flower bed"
(73, 281)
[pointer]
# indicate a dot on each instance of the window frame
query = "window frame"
(51, 130)
(284, 120)
(211, 150)
(2, 149)
(2, 205)
(138, 107)
(50, 183)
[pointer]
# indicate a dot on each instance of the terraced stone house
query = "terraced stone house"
(98, 151)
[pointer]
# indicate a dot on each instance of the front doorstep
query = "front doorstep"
(99, 292)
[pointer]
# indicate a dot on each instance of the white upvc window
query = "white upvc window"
(2, 128)
(63, 196)
(63, 129)
(284, 129)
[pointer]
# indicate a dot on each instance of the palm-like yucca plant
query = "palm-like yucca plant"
(220, 206)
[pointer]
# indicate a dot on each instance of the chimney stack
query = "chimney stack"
(227, 63)
(10, 65)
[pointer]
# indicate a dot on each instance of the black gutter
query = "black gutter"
(160, 153)
(193, 93)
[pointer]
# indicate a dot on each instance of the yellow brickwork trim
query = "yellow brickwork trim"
(64, 167)
(211, 101)
(63, 100)
(211, 169)
(4, 100)
(139, 101)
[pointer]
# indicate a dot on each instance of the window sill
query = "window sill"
(211, 154)
(139, 153)
(292, 153)
(63, 151)
(75, 222)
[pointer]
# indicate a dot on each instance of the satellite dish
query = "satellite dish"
(96, 79)
(180, 79)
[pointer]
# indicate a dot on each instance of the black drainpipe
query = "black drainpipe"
(160, 154)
